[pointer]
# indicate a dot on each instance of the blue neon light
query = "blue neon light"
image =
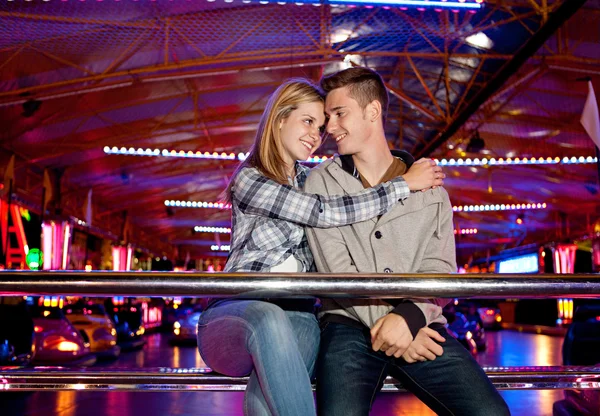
(412, 3)
(522, 264)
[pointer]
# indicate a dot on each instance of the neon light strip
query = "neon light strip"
(65, 253)
(116, 258)
(498, 207)
(413, 3)
(318, 159)
(48, 238)
(129, 253)
(219, 230)
(224, 247)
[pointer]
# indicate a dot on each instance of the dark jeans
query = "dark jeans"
(350, 373)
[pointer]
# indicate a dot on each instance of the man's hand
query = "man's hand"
(424, 174)
(391, 335)
(424, 346)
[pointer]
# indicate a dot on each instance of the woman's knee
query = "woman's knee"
(267, 319)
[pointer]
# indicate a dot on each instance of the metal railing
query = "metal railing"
(359, 285)
(194, 379)
(260, 285)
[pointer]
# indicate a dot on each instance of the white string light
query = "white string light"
(455, 208)
(131, 151)
(464, 231)
(218, 230)
(517, 161)
(498, 207)
(224, 247)
(196, 204)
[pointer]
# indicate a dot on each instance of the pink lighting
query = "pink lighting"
(596, 253)
(564, 263)
(564, 258)
(122, 258)
(56, 244)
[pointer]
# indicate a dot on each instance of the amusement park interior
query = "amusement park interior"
(122, 122)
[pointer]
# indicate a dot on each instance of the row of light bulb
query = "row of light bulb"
(131, 151)
(218, 230)
(455, 208)
(497, 207)
(464, 231)
(196, 204)
(227, 247)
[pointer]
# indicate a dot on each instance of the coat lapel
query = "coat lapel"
(348, 183)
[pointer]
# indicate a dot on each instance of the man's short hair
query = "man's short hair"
(364, 85)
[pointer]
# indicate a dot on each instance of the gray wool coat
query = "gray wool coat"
(415, 236)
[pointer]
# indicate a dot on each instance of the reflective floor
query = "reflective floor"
(505, 348)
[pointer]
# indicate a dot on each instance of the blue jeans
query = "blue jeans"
(277, 348)
(350, 373)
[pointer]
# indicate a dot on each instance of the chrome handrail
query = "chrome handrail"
(201, 379)
(359, 285)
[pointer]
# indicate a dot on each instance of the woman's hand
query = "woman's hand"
(424, 174)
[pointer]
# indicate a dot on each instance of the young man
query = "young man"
(364, 341)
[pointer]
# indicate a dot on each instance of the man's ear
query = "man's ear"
(374, 110)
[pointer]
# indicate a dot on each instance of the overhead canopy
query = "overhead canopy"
(78, 77)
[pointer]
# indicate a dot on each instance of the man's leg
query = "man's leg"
(453, 384)
(349, 374)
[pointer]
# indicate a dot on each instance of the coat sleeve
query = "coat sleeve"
(327, 245)
(255, 194)
(439, 257)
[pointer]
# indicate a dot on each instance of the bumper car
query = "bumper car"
(581, 347)
(185, 329)
(469, 333)
(491, 318)
(17, 341)
(129, 326)
(57, 342)
(95, 326)
(487, 315)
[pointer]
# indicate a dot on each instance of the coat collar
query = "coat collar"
(347, 162)
(344, 172)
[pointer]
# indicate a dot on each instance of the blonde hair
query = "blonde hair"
(266, 152)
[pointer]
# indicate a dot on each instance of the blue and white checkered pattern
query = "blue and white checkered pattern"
(268, 218)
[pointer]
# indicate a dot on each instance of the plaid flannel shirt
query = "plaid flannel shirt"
(268, 218)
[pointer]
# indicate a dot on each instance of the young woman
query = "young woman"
(276, 341)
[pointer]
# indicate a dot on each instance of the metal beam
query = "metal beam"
(555, 20)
